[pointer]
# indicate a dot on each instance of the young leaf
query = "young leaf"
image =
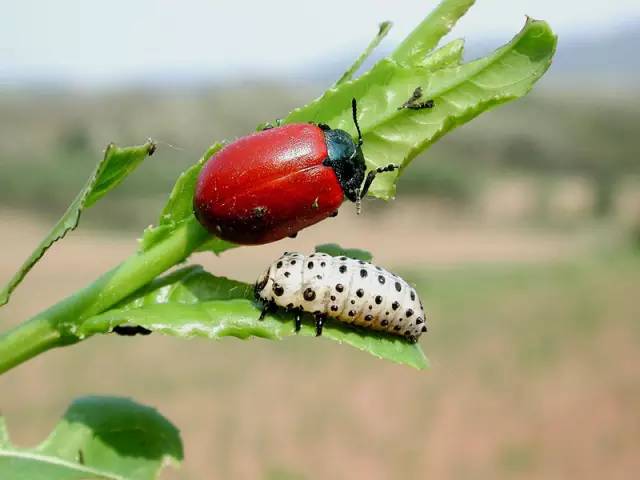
(425, 37)
(336, 250)
(194, 303)
(460, 93)
(448, 55)
(179, 207)
(180, 203)
(99, 438)
(109, 173)
(383, 29)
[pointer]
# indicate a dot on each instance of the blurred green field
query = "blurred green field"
(520, 230)
(49, 142)
(534, 375)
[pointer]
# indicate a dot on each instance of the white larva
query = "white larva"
(351, 291)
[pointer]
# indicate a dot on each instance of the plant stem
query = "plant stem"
(57, 325)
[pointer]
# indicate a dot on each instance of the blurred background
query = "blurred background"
(520, 230)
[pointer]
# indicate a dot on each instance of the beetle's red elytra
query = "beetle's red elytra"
(268, 185)
(271, 184)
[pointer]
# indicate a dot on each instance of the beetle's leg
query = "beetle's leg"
(320, 318)
(369, 180)
(298, 319)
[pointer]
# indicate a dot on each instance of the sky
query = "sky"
(93, 43)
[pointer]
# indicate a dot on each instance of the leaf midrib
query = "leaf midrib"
(60, 462)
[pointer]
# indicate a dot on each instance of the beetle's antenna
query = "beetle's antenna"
(358, 202)
(354, 110)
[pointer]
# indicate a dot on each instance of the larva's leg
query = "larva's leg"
(268, 307)
(320, 318)
(298, 319)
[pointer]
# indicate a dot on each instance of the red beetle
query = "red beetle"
(273, 183)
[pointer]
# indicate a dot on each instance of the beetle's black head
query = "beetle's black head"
(346, 158)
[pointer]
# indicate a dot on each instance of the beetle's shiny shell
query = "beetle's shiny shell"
(348, 290)
(268, 185)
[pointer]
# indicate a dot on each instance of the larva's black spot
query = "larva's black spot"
(309, 295)
(312, 255)
(360, 292)
(319, 277)
(395, 305)
(413, 295)
(334, 308)
(378, 299)
(278, 290)
(424, 328)
(340, 288)
(363, 273)
(278, 265)
(386, 313)
(287, 274)
(419, 321)
(384, 322)
(323, 264)
(368, 318)
(289, 306)
(352, 313)
(343, 268)
(408, 313)
(293, 262)
(333, 298)
(408, 333)
(397, 328)
(310, 265)
(398, 287)
(343, 258)
(381, 279)
(361, 262)
(353, 302)
(378, 268)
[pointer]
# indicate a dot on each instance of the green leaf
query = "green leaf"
(460, 94)
(179, 208)
(193, 303)
(180, 203)
(383, 29)
(109, 173)
(336, 250)
(425, 37)
(448, 55)
(98, 438)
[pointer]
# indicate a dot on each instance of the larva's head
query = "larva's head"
(261, 283)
